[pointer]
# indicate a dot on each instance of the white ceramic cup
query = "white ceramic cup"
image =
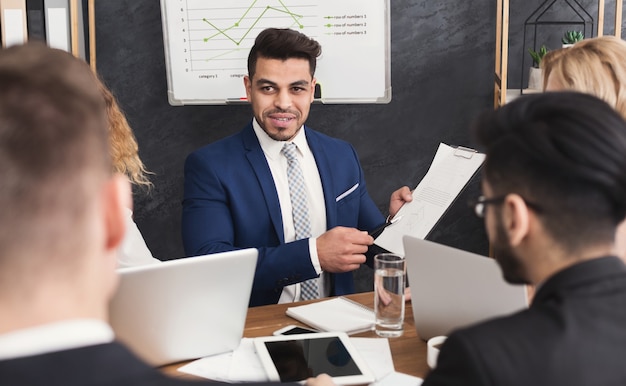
(432, 352)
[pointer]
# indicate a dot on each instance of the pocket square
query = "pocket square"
(346, 193)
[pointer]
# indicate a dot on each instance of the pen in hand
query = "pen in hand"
(379, 230)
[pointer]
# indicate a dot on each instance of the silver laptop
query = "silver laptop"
(186, 308)
(452, 288)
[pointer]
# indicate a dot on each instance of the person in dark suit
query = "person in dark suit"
(237, 190)
(554, 184)
(62, 221)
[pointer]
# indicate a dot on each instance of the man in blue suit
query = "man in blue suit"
(237, 190)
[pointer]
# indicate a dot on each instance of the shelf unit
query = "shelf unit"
(91, 20)
(502, 44)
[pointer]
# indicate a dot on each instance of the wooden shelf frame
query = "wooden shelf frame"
(91, 26)
(502, 43)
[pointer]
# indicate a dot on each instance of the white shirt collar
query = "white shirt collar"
(271, 147)
(54, 337)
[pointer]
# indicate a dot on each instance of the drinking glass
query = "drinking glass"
(389, 276)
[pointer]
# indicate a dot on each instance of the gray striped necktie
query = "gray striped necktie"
(300, 211)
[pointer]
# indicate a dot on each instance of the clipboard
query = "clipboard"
(465, 152)
(449, 173)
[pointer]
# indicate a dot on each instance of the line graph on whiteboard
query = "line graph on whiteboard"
(221, 38)
(207, 43)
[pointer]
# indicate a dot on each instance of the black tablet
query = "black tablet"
(294, 358)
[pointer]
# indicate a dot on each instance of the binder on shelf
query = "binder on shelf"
(36, 22)
(13, 22)
(57, 16)
(335, 314)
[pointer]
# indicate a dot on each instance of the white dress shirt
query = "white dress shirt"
(52, 337)
(133, 251)
(315, 199)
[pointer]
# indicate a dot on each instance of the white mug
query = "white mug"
(432, 352)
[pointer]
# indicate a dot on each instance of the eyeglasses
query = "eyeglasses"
(480, 204)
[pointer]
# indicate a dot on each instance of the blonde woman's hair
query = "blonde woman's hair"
(595, 66)
(124, 147)
(547, 63)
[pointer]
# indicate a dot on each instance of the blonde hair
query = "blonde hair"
(595, 66)
(124, 147)
(547, 63)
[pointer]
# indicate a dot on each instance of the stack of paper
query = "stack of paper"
(336, 314)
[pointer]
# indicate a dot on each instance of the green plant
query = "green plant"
(538, 55)
(572, 37)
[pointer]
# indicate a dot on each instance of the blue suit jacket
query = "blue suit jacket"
(230, 202)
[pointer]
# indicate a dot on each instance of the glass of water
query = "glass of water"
(389, 276)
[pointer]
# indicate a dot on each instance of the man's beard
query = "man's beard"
(509, 262)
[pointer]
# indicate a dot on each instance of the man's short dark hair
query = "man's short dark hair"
(283, 44)
(53, 140)
(565, 153)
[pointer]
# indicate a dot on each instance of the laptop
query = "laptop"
(452, 288)
(186, 308)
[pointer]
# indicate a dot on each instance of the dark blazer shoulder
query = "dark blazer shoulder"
(109, 364)
(104, 364)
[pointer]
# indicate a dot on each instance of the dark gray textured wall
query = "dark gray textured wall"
(442, 77)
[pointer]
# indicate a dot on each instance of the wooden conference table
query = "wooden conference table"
(408, 351)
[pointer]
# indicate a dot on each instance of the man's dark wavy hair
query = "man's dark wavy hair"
(564, 152)
(283, 44)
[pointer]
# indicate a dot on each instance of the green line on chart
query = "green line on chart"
(245, 13)
(236, 24)
(223, 54)
(220, 32)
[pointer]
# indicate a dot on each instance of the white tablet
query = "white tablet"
(294, 358)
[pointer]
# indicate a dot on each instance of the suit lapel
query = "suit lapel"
(324, 167)
(257, 161)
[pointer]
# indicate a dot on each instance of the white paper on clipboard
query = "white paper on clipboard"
(450, 171)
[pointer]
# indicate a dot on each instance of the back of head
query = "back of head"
(53, 153)
(596, 66)
(283, 44)
(565, 153)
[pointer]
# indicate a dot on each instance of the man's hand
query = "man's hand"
(342, 249)
(398, 198)
(320, 380)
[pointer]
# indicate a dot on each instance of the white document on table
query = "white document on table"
(244, 365)
(240, 365)
(449, 173)
(398, 379)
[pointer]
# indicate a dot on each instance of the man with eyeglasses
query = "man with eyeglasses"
(554, 185)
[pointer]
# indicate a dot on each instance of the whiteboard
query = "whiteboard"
(207, 44)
